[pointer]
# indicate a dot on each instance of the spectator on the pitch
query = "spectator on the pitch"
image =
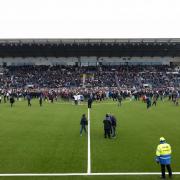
(119, 97)
(148, 102)
(90, 102)
(76, 99)
(29, 99)
(11, 100)
(83, 124)
(40, 99)
(155, 97)
(5, 98)
(113, 125)
(107, 126)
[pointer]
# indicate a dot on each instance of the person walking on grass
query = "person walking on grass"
(119, 98)
(163, 157)
(40, 100)
(155, 97)
(11, 100)
(29, 100)
(113, 125)
(90, 100)
(148, 102)
(107, 126)
(83, 124)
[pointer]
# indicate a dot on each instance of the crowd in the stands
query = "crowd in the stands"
(102, 81)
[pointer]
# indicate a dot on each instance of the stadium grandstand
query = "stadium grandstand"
(56, 63)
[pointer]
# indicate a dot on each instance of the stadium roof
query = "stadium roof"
(108, 40)
(89, 47)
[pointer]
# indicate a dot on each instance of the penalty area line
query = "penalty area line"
(88, 174)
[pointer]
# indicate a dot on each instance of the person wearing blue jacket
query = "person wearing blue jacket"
(113, 125)
(163, 157)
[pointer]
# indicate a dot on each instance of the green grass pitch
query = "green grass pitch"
(47, 140)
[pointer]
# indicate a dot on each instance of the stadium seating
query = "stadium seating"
(103, 76)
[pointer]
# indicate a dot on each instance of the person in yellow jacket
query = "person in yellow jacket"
(163, 156)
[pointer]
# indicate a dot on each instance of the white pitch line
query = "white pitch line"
(88, 174)
(131, 174)
(45, 174)
(89, 145)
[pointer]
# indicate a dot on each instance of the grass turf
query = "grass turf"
(46, 139)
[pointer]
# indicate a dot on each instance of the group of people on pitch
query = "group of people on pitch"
(109, 125)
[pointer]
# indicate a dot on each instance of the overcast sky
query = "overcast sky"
(89, 18)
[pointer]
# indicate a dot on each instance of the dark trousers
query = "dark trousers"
(148, 105)
(89, 105)
(29, 103)
(163, 170)
(107, 132)
(154, 103)
(113, 131)
(119, 103)
(83, 127)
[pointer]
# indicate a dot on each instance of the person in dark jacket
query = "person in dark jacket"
(107, 126)
(40, 100)
(5, 98)
(83, 124)
(90, 102)
(29, 99)
(148, 102)
(113, 125)
(11, 100)
(119, 98)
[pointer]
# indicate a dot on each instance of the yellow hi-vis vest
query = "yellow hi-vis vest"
(163, 149)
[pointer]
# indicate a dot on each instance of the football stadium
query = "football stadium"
(89, 108)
